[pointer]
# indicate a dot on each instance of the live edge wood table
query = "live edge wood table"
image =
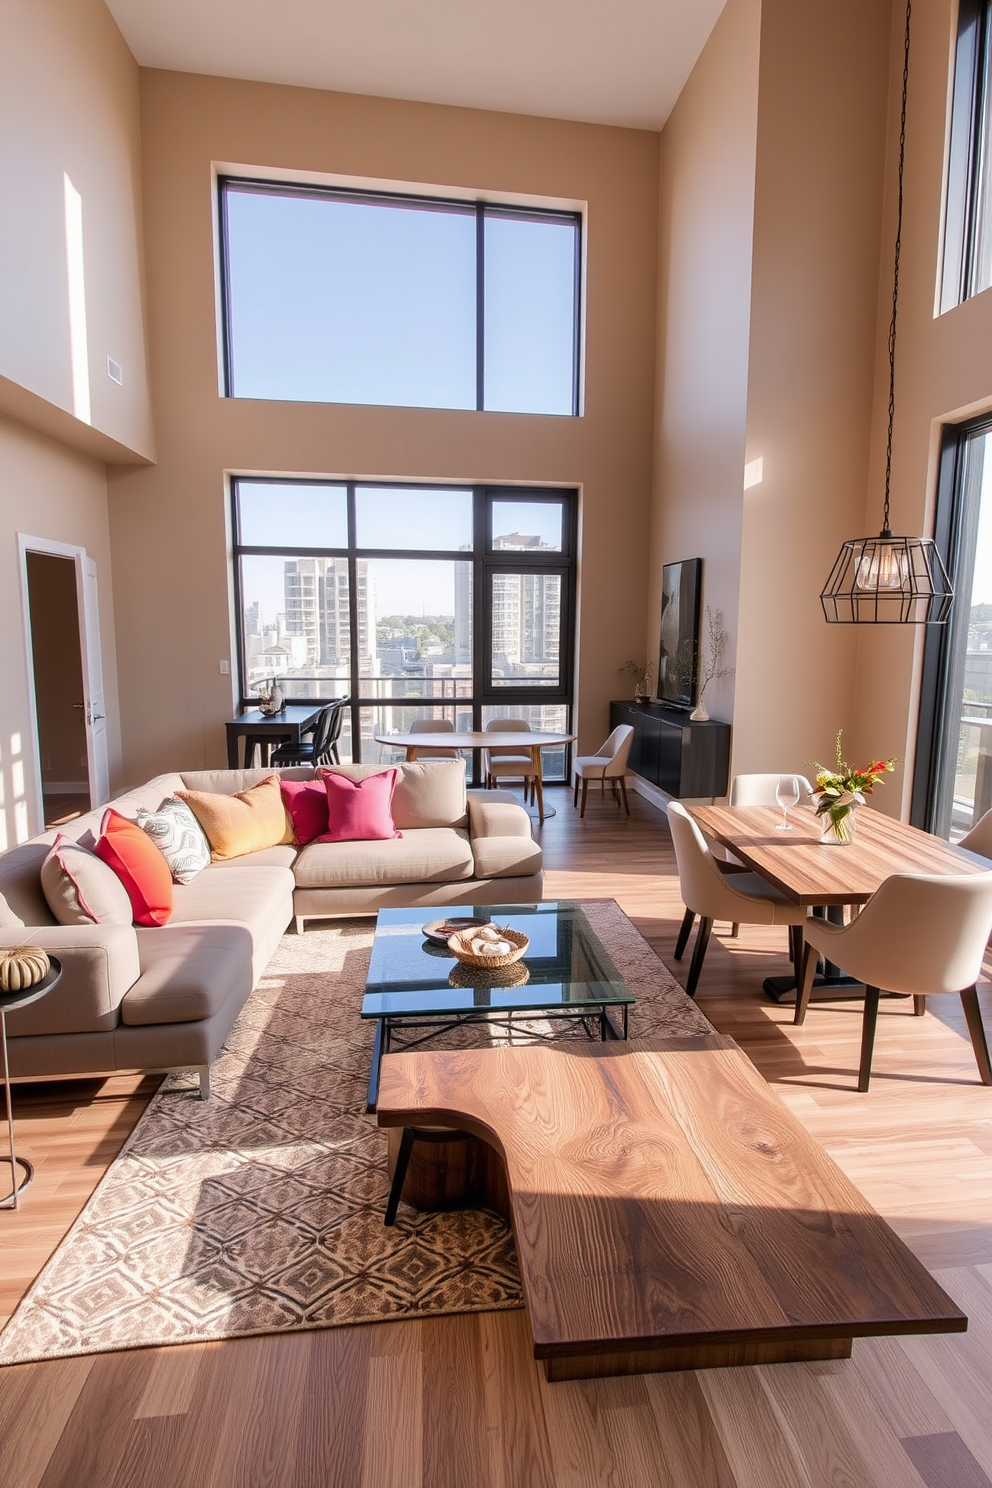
(668, 1211)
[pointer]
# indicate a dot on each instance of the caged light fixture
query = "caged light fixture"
(889, 580)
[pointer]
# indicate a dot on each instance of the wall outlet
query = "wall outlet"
(225, 668)
(115, 371)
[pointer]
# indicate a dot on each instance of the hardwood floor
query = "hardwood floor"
(458, 1401)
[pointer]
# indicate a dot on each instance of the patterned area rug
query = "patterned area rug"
(261, 1210)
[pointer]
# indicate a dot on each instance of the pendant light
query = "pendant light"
(889, 580)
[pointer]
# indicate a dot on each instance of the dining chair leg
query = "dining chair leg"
(699, 951)
(685, 930)
(602, 786)
(623, 792)
(796, 940)
(585, 787)
(919, 1006)
(575, 792)
(735, 930)
(973, 1014)
(872, 995)
(804, 984)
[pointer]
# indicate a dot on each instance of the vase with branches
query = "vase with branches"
(710, 669)
(641, 673)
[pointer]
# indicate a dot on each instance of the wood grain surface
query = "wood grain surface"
(663, 1199)
(812, 872)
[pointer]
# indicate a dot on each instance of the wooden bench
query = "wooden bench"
(668, 1211)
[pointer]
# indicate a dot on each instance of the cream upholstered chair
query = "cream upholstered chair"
(979, 839)
(759, 790)
(712, 893)
(509, 764)
(918, 933)
(608, 763)
(435, 726)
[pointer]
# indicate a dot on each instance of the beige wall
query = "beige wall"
(170, 522)
(58, 671)
(69, 106)
(46, 491)
(943, 373)
(706, 213)
(772, 178)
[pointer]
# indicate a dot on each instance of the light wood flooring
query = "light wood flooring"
(458, 1401)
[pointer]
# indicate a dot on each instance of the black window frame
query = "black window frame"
(970, 98)
(955, 525)
(482, 209)
(485, 561)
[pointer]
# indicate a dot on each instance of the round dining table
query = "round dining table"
(529, 741)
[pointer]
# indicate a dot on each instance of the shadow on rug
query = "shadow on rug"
(260, 1211)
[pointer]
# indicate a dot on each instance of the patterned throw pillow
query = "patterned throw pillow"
(179, 837)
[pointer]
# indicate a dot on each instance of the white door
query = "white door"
(94, 709)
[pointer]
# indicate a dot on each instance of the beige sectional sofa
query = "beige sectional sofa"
(165, 998)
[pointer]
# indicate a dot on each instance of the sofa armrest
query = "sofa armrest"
(99, 965)
(496, 814)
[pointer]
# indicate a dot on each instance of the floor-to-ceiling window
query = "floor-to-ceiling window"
(416, 601)
(953, 779)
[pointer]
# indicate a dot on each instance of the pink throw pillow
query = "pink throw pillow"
(306, 802)
(359, 810)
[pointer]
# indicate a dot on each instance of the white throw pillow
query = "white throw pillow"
(80, 889)
(178, 836)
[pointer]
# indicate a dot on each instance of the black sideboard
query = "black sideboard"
(685, 759)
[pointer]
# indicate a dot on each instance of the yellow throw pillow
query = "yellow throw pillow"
(244, 823)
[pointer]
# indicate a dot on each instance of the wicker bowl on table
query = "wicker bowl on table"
(460, 946)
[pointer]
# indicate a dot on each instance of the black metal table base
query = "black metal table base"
(782, 989)
(385, 1028)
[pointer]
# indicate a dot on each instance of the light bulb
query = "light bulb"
(885, 567)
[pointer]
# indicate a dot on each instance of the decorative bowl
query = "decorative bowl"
(460, 946)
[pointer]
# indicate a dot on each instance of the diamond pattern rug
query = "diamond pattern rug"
(261, 1210)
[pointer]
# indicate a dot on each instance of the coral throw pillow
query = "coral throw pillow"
(359, 810)
(139, 865)
(244, 823)
(306, 802)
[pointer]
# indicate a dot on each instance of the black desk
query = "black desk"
(289, 724)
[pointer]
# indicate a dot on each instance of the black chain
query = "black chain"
(895, 270)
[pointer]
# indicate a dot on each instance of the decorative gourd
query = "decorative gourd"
(22, 968)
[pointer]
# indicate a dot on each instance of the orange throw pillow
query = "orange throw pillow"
(247, 822)
(139, 865)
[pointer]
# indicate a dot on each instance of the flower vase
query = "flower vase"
(837, 827)
(700, 713)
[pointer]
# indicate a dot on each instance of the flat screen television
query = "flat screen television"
(681, 585)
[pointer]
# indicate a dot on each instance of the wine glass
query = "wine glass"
(787, 794)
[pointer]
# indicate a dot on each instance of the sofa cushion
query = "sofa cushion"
(243, 822)
(433, 855)
(188, 972)
(178, 836)
(358, 810)
(99, 964)
(81, 890)
(506, 857)
(428, 793)
(228, 893)
(227, 782)
(139, 865)
(8, 919)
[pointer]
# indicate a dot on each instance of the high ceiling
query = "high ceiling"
(603, 61)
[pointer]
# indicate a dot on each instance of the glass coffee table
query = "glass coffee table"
(421, 989)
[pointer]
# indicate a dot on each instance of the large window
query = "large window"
(953, 778)
(336, 296)
(417, 601)
(967, 268)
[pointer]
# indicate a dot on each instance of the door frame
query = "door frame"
(78, 555)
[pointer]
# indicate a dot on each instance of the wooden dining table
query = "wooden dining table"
(828, 876)
(530, 741)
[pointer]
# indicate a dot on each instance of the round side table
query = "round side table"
(8, 1001)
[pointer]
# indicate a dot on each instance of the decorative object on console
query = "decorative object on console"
(178, 836)
(839, 791)
(246, 822)
(641, 673)
(139, 865)
(710, 670)
(22, 968)
(680, 590)
(270, 696)
(889, 580)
